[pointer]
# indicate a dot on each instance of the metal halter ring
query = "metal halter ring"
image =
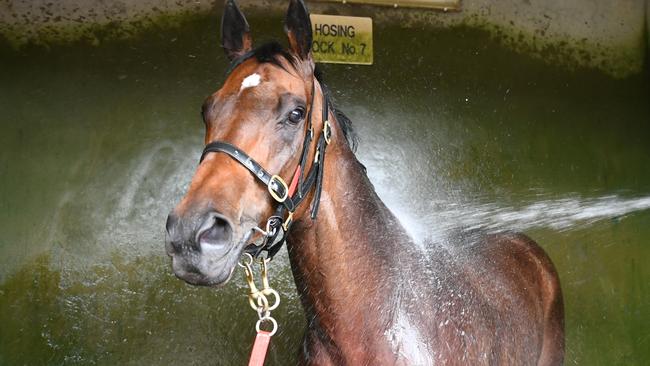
(276, 301)
(278, 180)
(259, 303)
(270, 319)
(270, 230)
(246, 261)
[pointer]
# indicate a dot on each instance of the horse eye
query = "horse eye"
(296, 115)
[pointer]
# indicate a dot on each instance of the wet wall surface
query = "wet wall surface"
(99, 143)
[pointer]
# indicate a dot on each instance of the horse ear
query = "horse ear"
(297, 25)
(235, 34)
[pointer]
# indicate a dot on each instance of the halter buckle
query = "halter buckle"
(317, 156)
(278, 181)
(327, 131)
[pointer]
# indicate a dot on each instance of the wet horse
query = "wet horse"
(371, 296)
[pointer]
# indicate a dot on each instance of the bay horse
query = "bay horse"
(371, 296)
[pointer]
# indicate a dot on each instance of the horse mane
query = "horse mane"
(273, 53)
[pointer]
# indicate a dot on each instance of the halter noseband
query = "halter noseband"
(287, 197)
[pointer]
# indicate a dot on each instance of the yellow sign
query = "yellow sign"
(342, 40)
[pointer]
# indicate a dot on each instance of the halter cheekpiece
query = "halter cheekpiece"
(288, 197)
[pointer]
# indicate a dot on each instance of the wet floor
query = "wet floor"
(99, 143)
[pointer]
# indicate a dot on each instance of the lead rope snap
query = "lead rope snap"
(259, 302)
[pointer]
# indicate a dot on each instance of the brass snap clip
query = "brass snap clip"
(259, 299)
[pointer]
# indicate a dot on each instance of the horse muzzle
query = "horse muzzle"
(204, 248)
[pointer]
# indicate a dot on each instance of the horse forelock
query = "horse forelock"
(271, 52)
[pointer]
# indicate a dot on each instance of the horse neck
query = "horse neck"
(344, 260)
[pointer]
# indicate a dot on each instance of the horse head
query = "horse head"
(262, 114)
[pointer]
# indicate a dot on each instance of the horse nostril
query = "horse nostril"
(216, 232)
(172, 220)
(172, 241)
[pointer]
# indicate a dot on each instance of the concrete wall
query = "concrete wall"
(60, 21)
(605, 34)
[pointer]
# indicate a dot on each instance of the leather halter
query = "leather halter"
(287, 197)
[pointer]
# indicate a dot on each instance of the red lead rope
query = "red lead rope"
(260, 347)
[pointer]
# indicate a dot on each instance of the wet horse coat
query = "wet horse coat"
(371, 296)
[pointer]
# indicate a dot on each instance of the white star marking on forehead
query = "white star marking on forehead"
(251, 81)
